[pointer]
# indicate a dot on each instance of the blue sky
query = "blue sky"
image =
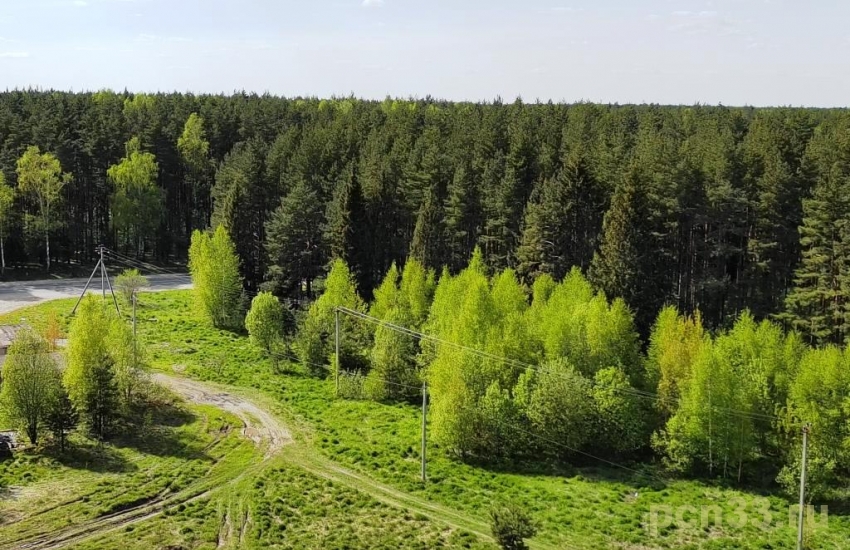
(735, 52)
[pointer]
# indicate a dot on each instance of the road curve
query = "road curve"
(18, 294)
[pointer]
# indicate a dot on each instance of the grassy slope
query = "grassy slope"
(182, 454)
(589, 507)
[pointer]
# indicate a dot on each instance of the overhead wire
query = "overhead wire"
(630, 391)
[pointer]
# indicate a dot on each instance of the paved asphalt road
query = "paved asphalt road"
(24, 293)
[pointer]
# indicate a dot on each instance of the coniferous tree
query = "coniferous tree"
(622, 267)
(7, 197)
(816, 306)
(62, 417)
(562, 223)
(462, 217)
(427, 243)
(241, 206)
(294, 242)
(346, 230)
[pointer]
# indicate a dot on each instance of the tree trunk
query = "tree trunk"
(32, 432)
(2, 258)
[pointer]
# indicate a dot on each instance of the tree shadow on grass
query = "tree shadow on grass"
(636, 476)
(153, 431)
(90, 456)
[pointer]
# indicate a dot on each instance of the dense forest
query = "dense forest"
(708, 209)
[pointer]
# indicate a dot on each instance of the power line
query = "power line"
(139, 263)
(584, 453)
(631, 391)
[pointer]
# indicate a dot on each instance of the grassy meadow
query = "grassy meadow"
(300, 500)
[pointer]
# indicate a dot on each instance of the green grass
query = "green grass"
(181, 453)
(593, 506)
(287, 508)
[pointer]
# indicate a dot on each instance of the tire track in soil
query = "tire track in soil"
(258, 425)
(264, 429)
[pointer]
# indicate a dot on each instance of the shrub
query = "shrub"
(511, 525)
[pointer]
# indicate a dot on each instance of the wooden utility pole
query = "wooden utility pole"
(135, 355)
(104, 281)
(801, 512)
(424, 427)
(336, 340)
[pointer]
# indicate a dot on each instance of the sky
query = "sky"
(731, 52)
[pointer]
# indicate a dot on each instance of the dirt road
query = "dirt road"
(257, 424)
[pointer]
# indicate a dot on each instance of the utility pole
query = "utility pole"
(336, 339)
(801, 512)
(135, 355)
(102, 274)
(424, 427)
(104, 281)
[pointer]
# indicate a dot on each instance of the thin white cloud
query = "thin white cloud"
(372, 3)
(156, 38)
(16, 55)
(81, 3)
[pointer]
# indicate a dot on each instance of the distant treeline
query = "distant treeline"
(710, 208)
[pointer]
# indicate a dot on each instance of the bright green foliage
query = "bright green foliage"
(194, 151)
(387, 295)
(674, 345)
(316, 338)
(7, 198)
(129, 362)
(192, 143)
(129, 282)
(566, 323)
(40, 176)
(90, 375)
(820, 395)
(463, 313)
(394, 374)
(620, 415)
(31, 382)
(402, 301)
(136, 200)
(214, 266)
(511, 525)
(417, 291)
(560, 408)
(582, 327)
(265, 321)
(723, 394)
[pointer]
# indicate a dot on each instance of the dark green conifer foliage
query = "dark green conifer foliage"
(622, 266)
